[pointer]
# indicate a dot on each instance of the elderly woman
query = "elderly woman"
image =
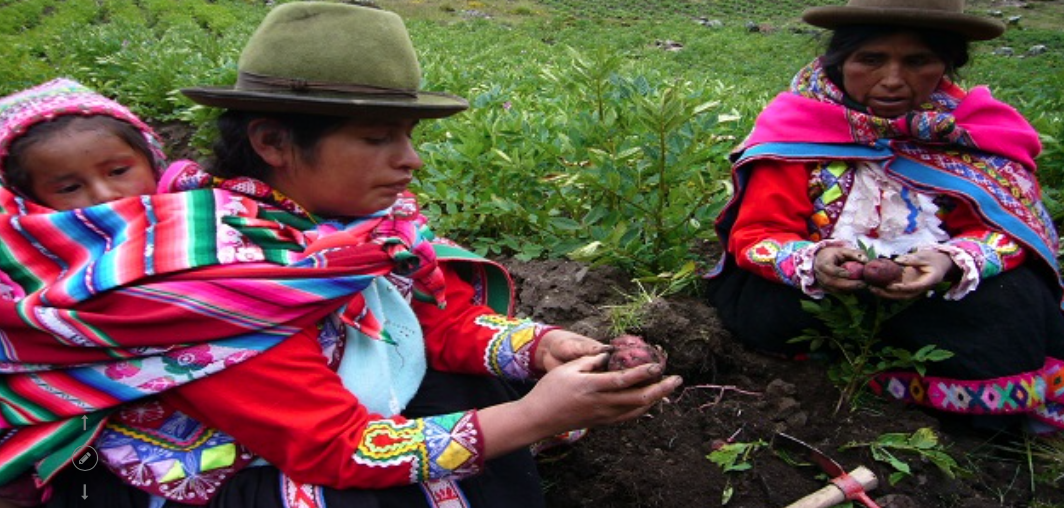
(875, 151)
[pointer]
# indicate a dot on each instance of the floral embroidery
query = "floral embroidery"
(764, 252)
(992, 253)
(188, 360)
(121, 370)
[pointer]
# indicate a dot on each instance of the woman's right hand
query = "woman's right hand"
(830, 273)
(574, 395)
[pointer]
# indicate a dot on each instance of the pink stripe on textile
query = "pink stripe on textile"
(998, 128)
(259, 308)
(25, 441)
(171, 235)
(995, 126)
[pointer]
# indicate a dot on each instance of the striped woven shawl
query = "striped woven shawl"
(120, 301)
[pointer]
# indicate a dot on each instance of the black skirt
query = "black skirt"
(1010, 324)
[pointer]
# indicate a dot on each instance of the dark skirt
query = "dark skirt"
(1007, 332)
(1010, 324)
(508, 481)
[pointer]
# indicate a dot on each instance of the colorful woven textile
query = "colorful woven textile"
(119, 301)
(966, 145)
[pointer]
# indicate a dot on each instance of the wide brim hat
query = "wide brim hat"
(945, 15)
(330, 59)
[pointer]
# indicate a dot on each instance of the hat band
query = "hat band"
(259, 83)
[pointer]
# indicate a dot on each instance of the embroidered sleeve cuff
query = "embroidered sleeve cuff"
(434, 448)
(541, 330)
(964, 260)
(993, 252)
(509, 352)
(804, 255)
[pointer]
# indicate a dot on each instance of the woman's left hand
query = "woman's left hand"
(560, 346)
(921, 272)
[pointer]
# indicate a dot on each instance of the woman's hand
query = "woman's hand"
(831, 275)
(561, 346)
(573, 395)
(921, 272)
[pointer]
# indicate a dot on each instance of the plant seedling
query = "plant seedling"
(853, 330)
(923, 443)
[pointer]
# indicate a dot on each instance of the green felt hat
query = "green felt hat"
(330, 59)
(945, 15)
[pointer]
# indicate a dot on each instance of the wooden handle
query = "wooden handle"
(831, 495)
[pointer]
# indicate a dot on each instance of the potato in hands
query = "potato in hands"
(631, 351)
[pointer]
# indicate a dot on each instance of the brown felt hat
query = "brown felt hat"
(941, 14)
(330, 59)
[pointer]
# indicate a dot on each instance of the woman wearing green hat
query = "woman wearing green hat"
(296, 336)
(875, 151)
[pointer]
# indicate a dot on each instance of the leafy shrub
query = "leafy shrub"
(613, 151)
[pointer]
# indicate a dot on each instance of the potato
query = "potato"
(854, 270)
(882, 272)
(631, 351)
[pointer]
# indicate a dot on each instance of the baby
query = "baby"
(64, 146)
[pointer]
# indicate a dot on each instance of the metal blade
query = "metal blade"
(827, 464)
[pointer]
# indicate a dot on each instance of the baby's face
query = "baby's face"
(77, 168)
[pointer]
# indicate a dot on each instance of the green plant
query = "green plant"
(923, 443)
(734, 457)
(629, 315)
(853, 328)
(1048, 453)
(1041, 456)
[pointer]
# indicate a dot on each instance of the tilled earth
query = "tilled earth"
(660, 460)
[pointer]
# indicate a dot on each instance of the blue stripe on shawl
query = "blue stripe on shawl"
(149, 235)
(115, 229)
(919, 174)
(97, 380)
(110, 229)
(332, 287)
(814, 151)
(986, 203)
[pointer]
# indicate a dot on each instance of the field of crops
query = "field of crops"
(581, 118)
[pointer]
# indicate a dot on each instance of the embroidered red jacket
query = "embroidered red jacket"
(776, 217)
(290, 408)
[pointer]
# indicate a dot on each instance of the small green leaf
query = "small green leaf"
(896, 477)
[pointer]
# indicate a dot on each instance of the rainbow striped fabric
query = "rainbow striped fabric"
(108, 304)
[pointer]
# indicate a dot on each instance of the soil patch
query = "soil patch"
(660, 460)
